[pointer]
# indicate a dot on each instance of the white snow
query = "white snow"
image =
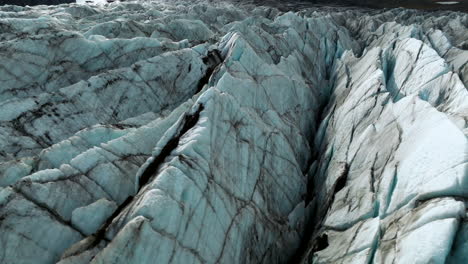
(91, 2)
(448, 3)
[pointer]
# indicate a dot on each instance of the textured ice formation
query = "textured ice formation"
(181, 132)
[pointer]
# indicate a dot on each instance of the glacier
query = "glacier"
(232, 132)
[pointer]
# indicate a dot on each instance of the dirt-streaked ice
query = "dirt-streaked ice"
(177, 132)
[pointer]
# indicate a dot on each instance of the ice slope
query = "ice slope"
(162, 132)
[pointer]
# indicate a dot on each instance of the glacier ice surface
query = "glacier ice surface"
(177, 132)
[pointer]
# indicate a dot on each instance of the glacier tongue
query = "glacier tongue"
(143, 132)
